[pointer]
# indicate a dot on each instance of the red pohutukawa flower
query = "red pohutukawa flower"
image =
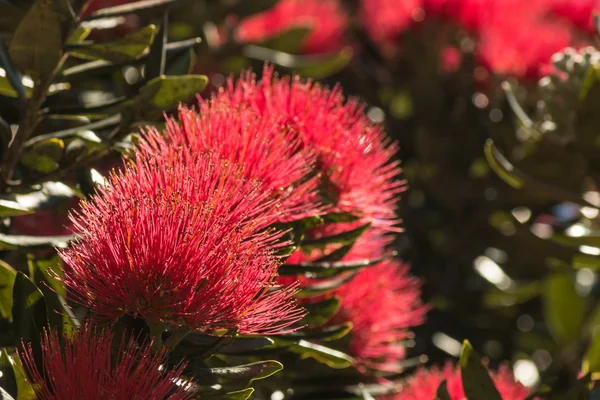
(325, 18)
(84, 368)
(358, 174)
(385, 20)
(424, 383)
(181, 239)
(382, 302)
(263, 147)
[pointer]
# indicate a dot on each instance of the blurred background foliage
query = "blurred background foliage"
(499, 146)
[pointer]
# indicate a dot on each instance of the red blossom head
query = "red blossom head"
(326, 18)
(355, 159)
(382, 302)
(85, 368)
(577, 12)
(181, 239)
(263, 147)
(385, 20)
(424, 383)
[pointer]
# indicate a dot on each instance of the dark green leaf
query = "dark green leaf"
(5, 136)
(326, 286)
(289, 41)
(8, 380)
(250, 372)
(326, 267)
(314, 66)
(330, 357)
(180, 63)
(29, 314)
(10, 16)
(564, 308)
(477, 383)
(60, 316)
(237, 395)
(344, 238)
(517, 295)
(22, 241)
(15, 86)
(9, 208)
(519, 180)
(4, 395)
(102, 124)
(7, 280)
(321, 312)
(340, 217)
(157, 58)
(36, 46)
(44, 156)
(326, 334)
(130, 47)
(591, 360)
(130, 8)
(167, 92)
(442, 392)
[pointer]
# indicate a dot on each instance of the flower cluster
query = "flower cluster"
(84, 367)
(423, 385)
(325, 18)
(512, 37)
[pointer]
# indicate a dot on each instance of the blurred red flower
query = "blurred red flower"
(181, 239)
(326, 18)
(382, 302)
(84, 367)
(424, 384)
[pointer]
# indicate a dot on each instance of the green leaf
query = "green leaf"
(166, 92)
(326, 334)
(4, 395)
(22, 241)
(519, 180)
(254, 371)
(10, 16)
(78, 35)
(290, 41)
(564, 309)
(44, 156)
(128, 48)
(442, 392)
(29, 314)
(9, 208)
(7, 281)
(329, 285)
(314, 66)
(237, 395)
(157, 57)
(130, 8)
(60, 316)
(477, 383)
(344, 238)
(327, 268)
(321, 312)
(8, 380)
(6, 89)
(36, 46)
(496, 298)
(340, 217)
(591, 360)
(325, 355)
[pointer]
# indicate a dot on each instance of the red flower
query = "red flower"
(326, 18)
(263, 147)
(382, 302)
(424, 383)
(85, 369)
(577, 12)
(181, 239)
(354, 157)
(385, 20)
